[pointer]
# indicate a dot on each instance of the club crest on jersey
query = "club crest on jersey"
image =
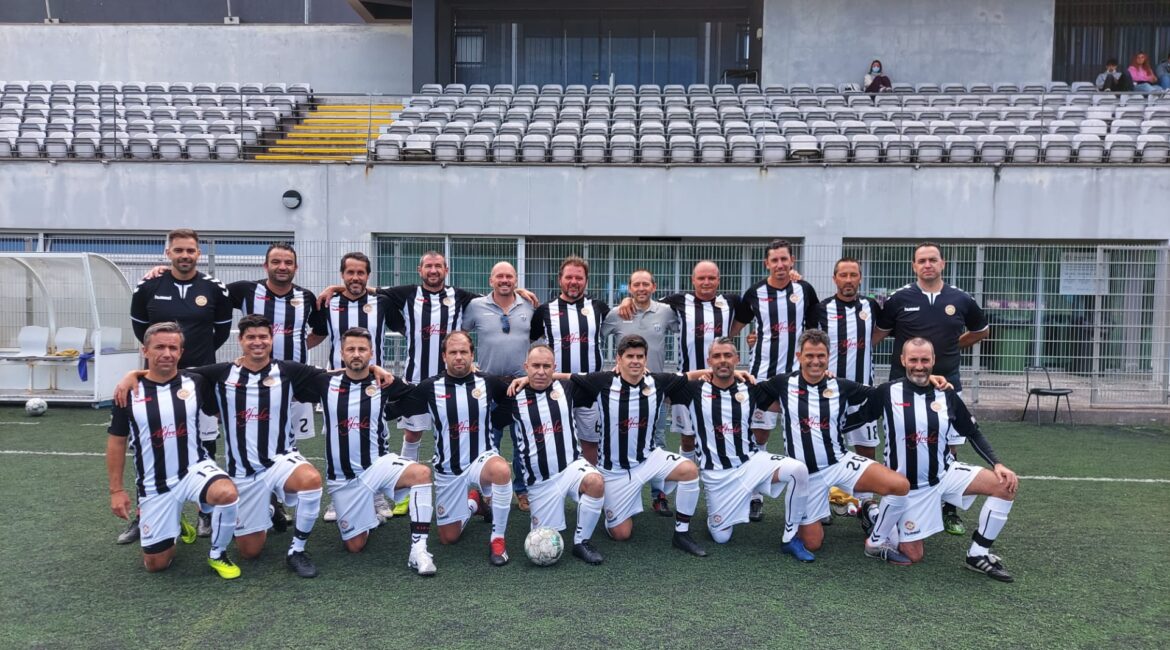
(183, 394)
(270, 381)
(828, 392)
(369, 309)
(477, 393)
(936, 406)
(863, 315)
(555, 394)
(794, 298)
(371, 390)
(648, 391)
(950, 310)
(741, 398)
(585, 311)
(720, 302)
(449, 301)
(201, 301)
(296, 302)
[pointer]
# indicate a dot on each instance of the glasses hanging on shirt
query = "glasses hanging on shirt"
(505, 324)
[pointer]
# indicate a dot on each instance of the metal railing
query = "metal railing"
(1097, 314)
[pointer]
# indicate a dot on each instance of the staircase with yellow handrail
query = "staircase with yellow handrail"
(331, 132)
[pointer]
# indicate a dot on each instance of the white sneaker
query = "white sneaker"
(383, 508)
(330, 513)
(421, 561)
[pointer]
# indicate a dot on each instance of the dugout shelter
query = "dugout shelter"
(63, 330)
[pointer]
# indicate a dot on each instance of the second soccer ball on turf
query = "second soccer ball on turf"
(36, 407)
(544, 546)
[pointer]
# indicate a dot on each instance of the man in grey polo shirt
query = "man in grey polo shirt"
(651, 320)
(501, 322)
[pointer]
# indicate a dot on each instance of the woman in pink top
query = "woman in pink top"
(1144, 80)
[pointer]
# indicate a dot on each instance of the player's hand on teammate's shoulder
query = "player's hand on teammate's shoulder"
(326, 294)
(517, 385)
(745, 376)
(126, 386)
(155, 272)
(795, 275)
(941, 382)
(626, 308)
(528, 295)
(384, 377)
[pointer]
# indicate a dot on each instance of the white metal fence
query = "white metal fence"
(1096, 314)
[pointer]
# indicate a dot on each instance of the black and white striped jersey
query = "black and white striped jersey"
(354, 425)
(700, 323)
(919, 420)
(292, 315)
(424, 318)
(814, 415)
(850, 326)
(200, 306)
(780, 316)
(255, 410)
(370, 311)
(629, 413)
(461, 408)
(542, 421)
(573, 330)
(161, 421)
(722, 422)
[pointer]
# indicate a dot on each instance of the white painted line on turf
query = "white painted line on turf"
(23, 424)
(1098, 480)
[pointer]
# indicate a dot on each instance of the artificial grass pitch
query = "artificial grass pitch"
(1084, 554)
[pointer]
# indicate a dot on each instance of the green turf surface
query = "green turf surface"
(1084, 554)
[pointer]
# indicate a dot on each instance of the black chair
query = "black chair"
(1042, 391)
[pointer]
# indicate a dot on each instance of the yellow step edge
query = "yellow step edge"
(360, 107)
(380, 115)
(349, 123)
(293, 142)
(316, 150)
(305, 157)
(297, 133)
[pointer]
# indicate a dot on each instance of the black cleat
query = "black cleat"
(203, 526)
(662, 506)
(587, 553)
(279, 516)
(131, 534)
(683, 541)
(497, 552)
(990, 566)
(300, 563)
(863, 515)
(756, 510)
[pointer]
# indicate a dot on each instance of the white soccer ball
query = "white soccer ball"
(544, 546)
(36, 407)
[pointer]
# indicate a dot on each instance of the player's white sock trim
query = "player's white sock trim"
(885, 527)
(308, 507)
(410, 449)
(421, 510)
(795, 474)
(685, 504)
(991, 521)
(223, 527)
(689, 455)
(501, 506)
(588, 512)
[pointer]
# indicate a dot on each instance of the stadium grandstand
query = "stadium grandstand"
(492, 131)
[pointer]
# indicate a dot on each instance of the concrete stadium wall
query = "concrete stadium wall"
(824, 205)
(938, 41)
(333, 58)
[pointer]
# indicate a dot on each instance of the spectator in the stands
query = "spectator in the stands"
(1163, 72)
(1114, 79)
(1142, 74)
(876, 80)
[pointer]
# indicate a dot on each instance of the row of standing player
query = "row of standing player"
(573, 322)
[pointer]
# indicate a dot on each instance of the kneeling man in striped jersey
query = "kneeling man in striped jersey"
(919, 418)
(549, 452)
(732, 467)
(162, 425)
(358, 465)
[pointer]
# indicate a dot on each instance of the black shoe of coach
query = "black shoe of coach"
(684, 541)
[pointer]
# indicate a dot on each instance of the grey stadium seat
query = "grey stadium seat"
(1153, 149)
(1057, 148)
